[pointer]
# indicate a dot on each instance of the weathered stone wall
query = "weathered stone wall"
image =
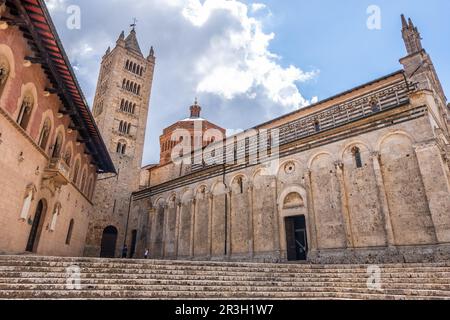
(352, 210)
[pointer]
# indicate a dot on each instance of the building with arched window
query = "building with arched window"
(46, 136)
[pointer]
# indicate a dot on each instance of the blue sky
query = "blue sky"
(249, 61)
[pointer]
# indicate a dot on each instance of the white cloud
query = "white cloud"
(214, 49)
(239, 61)
(54, 5)
(258, 7)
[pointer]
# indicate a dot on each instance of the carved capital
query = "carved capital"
(339, 165)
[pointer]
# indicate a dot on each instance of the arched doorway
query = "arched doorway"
(36, 227)
(293, 212)
(108, 245)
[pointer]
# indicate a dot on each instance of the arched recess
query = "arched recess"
(28, 99)
(44, 134)
(158, 229)
(58, 142)
(184, 239)
(201, 225)
(296, 230)
(218, 232)
(7, 69)
(68, 154)
(171, 221)
(264, 213)
(326, 201)
(408, 205)
(364, 204)
(240, 215)
(108, 242)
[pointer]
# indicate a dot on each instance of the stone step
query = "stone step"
(155, 272)
(10, 276)
(210, 263)
(238, 289)
(225, 267)
(89, 268)
(32, 277)
(4, 278)
(123, 295)
(158, 282)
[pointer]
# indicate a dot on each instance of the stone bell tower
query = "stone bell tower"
(121, 106)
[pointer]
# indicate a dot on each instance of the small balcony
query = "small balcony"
(58, 171)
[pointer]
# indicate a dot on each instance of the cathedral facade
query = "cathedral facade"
(360, 177)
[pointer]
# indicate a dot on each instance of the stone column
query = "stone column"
(177, 226)
(210, 196)
(228, 213)
(165, 226)
(437, 187)
(276, 218)
(344, 204)
(150, 242)
(251, 245)
(312, 227)
(384, 204)
(193, 209)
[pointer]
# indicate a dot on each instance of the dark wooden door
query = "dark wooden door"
(109, 240)
(32, 238)
(296, 238)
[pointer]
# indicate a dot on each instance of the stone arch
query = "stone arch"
(326, 195)
(318, 154)
(44, 134)
(170, 226)
(292, 204)
(292, 189)
(157, 233)
(240, 215)
(410, 215)
(394, 133)
(366, 220)
(108, 242)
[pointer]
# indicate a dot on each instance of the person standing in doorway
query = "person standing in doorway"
(124, 252)
(146, 254)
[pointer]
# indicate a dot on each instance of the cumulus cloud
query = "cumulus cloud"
(217, 50)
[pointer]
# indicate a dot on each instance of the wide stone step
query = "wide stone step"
(93, 283)
(118, 273)
(222, 289)
(210, 263)
(14, 276)
(123, 295)
(258, 267)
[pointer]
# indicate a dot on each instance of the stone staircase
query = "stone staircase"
(32, 277)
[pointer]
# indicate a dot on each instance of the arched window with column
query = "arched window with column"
(4, 73)
(26, 108)
(57, 146)
(357, 155)
(44, 135)
(76, 172)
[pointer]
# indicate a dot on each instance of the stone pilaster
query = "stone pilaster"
(384, 205)
(344, 204)
(313, 241)
(437, 187)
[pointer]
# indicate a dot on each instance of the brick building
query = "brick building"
(51, 148)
